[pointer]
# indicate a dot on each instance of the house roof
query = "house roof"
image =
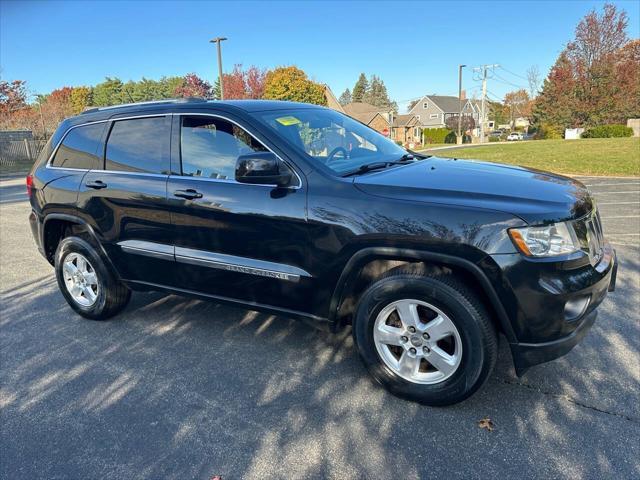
(446, 103)
(332, 101)
(363, 112)
(403, 120)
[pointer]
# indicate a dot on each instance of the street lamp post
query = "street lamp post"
(218, 41)
(459, 138)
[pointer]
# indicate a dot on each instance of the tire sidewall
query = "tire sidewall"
(465, 380)
(71, 245)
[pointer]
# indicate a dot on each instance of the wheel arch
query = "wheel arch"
(56, 226)
(381, 259)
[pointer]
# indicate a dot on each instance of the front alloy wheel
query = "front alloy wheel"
(417, 341)
(425, 335)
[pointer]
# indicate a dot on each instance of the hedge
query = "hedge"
(435, 135)
(546, 131)
(608, 131)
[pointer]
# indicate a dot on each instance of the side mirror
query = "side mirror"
(262, 168)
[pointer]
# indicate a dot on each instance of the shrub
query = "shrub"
(436, 135)
(608, 131)
(494, 139)
(547, 131)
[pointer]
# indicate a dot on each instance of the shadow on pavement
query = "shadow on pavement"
(180, 388)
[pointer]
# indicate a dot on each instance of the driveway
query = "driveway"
(179, 389)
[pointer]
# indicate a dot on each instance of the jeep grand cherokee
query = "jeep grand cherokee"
(301, 211)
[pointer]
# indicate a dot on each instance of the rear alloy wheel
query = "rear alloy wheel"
(80, 279)
(90, 287)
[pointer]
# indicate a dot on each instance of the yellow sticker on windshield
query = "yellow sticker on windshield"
(287, 121)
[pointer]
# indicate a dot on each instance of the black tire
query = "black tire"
(449, 294)
(112, 296)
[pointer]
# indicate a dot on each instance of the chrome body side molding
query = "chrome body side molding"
(240, 264)
(220, 261)
(148, 249)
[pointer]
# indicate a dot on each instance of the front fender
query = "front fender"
(362, 257)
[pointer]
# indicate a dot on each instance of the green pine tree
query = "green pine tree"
(360, 89)
(345, 97)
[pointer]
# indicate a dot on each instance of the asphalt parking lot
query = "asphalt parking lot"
(179, 389)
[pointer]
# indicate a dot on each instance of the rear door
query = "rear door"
(235, 240)
(125, 200)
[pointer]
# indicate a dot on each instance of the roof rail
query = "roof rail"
(150, 102)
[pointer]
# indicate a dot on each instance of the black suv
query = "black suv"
(301, 211)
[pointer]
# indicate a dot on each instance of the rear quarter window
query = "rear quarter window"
(80, 148)
(139, 145)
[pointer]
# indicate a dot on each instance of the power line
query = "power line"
(514, 74)
(504, 80)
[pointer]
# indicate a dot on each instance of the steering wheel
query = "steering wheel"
(334, 152)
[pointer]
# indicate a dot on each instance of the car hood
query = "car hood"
(533, 195)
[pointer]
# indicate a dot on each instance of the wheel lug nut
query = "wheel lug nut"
(412, 329)
(426, 336)
(404, 339)
(412, 350)
(425, 349)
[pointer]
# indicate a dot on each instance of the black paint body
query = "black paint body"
(437, 210)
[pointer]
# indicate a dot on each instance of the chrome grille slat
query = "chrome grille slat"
(594, 242)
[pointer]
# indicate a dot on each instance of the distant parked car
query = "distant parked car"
(514, 136)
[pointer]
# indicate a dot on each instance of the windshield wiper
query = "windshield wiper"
(368, 167)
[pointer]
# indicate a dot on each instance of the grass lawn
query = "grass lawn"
(588, 156)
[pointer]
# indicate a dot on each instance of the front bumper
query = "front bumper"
(543, 330)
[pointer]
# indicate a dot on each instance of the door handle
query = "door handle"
(98, 184)
(189, 194)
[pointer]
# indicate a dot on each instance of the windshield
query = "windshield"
(331, 138)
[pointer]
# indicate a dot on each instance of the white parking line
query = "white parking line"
(610, 184)
(618, 203)
(622, 234)
(620, 216)
(616, 193)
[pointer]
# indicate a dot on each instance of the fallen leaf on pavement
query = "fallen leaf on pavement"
(486, 423)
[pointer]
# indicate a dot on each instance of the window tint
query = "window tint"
(210, 146)
(79, 149)
(139, 145)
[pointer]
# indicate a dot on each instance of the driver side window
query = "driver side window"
(210, 146)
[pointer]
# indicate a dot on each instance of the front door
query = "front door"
(234, 240)
(125, 200)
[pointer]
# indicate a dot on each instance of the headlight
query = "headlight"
(547, 241)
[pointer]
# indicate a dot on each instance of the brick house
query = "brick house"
(407, 130)
(375, 117)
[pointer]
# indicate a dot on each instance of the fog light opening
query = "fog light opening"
(575, 308)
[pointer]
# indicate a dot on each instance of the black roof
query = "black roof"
(246, 105)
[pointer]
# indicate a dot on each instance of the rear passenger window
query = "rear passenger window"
(80, 148)
(210, 146)
(139, 145)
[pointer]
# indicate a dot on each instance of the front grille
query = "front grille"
(589, 232)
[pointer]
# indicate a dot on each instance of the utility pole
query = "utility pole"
(218, 41)
(459, 137)
(483, 105)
